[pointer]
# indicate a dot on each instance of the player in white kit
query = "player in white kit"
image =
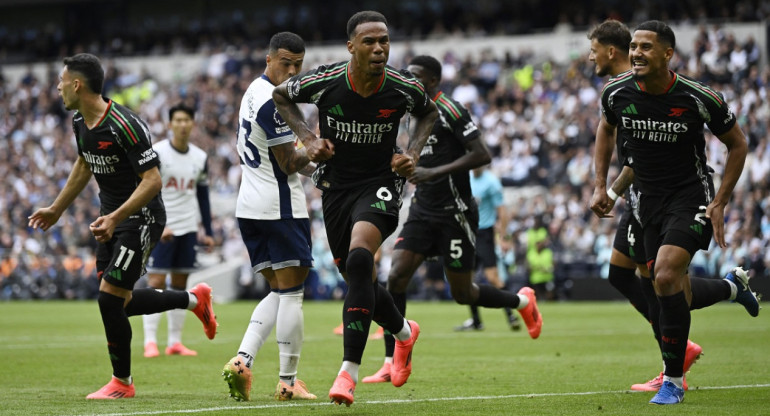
(274, 223)
(184, 173)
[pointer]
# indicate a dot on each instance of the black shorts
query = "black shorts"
(121, 260)
(485, 248)
(629, 238)
(377, 203)
(679, 220)
(451, 236)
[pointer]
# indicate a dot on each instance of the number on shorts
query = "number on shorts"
(455, 248)
(699, 217)
(384, 194)
(630, 236)
(123, 251)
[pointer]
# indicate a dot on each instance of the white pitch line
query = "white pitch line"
(405, 401)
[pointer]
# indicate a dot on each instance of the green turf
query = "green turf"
(53, 354)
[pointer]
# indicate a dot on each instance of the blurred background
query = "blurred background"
(520, 67)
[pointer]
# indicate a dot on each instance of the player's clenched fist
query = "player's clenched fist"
(319, 150)
(403, 164)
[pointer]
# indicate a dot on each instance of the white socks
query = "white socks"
(405, 332)
(150, 324)
(733, 289)
(261, 324)
(523, 302)
(289, 332)
(678, 381)
(351, 368)
(193, 301)
(176, 319)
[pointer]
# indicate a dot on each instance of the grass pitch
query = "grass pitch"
(53, 354)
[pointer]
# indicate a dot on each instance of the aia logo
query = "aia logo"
(385, 113)
(103, 145)
(337, 261)
(677, 112)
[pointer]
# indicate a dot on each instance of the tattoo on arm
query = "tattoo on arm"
(624, 180)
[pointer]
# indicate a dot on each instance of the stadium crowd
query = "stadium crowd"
(46, 29)
(538, 119)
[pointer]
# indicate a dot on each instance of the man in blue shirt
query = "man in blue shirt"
(488, 192)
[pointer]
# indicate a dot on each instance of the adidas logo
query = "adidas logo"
(356, 326)
(631, 109)
(337, 110)
(116, 274)
(456, 264)
(379, 205)
(697, 228)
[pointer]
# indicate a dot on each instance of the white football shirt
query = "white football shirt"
(266, 192)
(181, 173)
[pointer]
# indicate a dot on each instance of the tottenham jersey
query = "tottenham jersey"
(266, 193)
(663, 135)
(117, 150)
(363, 129)
(451, 132)
(181, 174)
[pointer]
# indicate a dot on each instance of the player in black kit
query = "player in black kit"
(609, 53)
(443, 217)
(661, 115)
(360, 103)
(114, 147)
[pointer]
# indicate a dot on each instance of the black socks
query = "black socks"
(626, 282)
(674, 330)
(147, 301)
(118, 332)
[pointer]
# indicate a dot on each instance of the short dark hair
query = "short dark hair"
(183, 108)
(365, 16)
(665, 34)
(89, 67)
(286, 40)
(430, 63)
(612, 32)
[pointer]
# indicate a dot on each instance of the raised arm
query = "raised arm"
(317, 149)
(405, 164)
(423, 126)
(290, 159)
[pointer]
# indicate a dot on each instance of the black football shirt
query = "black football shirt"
(663, 135)
(362, 129)
(453, 129)
(117, 150)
